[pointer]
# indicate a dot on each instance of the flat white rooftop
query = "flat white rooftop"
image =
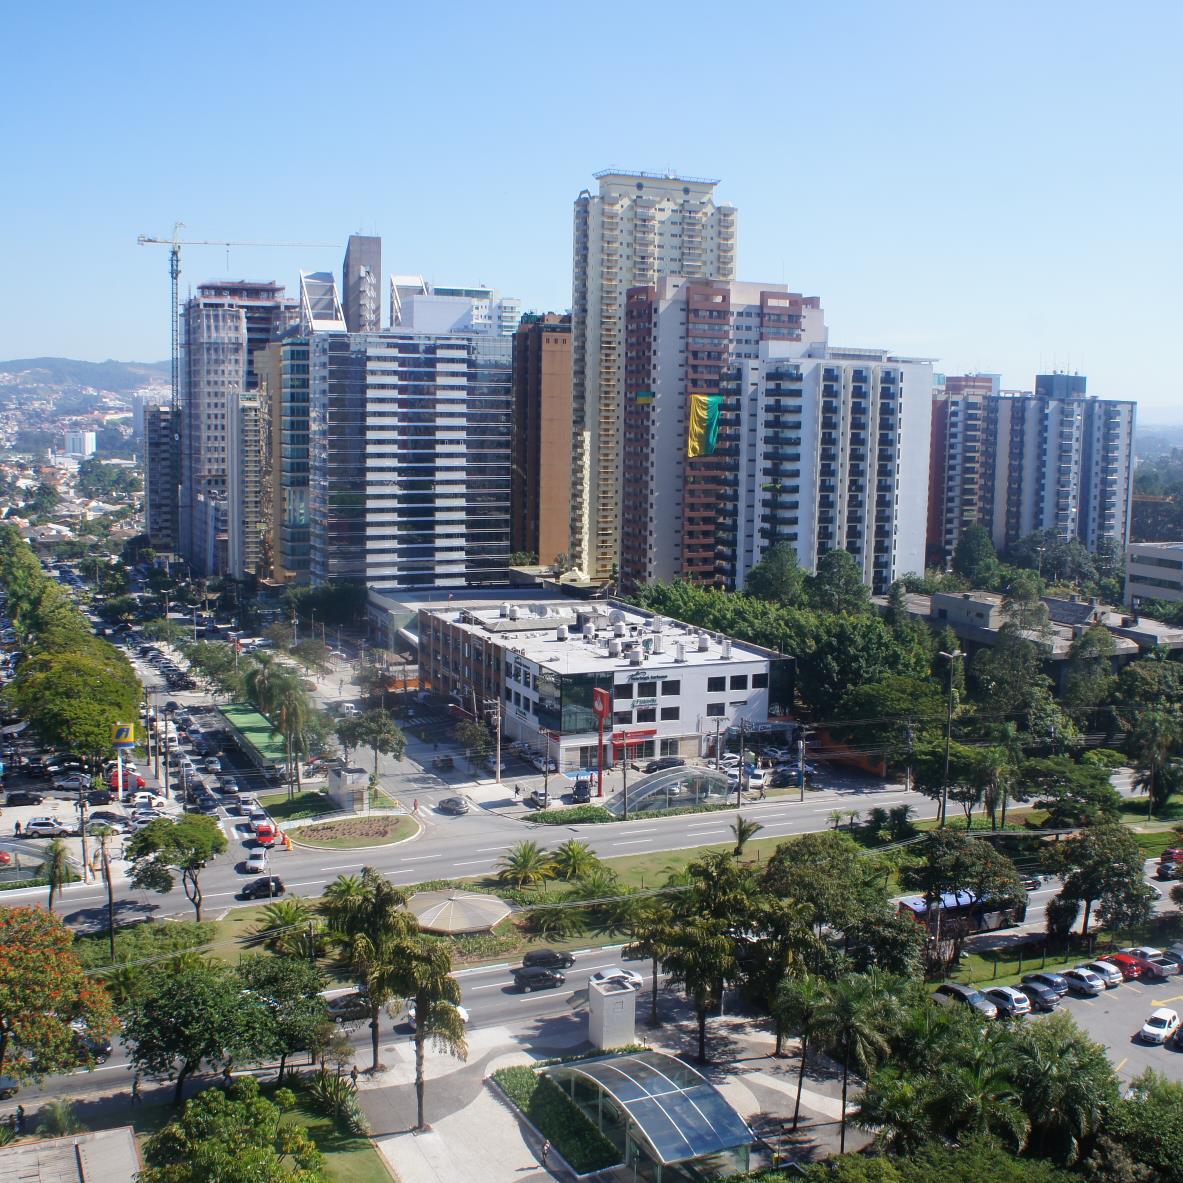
(535, 628)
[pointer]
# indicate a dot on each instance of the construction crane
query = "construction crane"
(174, 245)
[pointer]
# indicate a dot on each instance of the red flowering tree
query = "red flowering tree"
(43, 989)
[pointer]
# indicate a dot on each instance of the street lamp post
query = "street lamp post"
(948, 735)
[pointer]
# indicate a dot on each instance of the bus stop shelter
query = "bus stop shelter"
(668, 1121)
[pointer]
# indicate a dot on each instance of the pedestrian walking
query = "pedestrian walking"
(19, 1120)
(136, 1099)
(545, 1151)
(353, 1075)
(16, 828)
(517, 791)
(227, 1079)
(415, 807)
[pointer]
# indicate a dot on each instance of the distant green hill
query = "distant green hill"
(116, 376)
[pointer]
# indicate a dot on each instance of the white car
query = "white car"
(1109, 974)
(614, 974)
(757, 780)
(74, 781)
(1161, 1025)
(1010, 1002)
(256, 863)
(44, 827)
(461, 1011)
(147, 801)
(1083, 981)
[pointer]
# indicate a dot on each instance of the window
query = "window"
(647, 715)
(714, 709)
(623, 691)
(622, 717)
(715, 685)
(646, 689)
(670, 688)
(759, 681)
(669, 747)
(668, 713)
(739, 681)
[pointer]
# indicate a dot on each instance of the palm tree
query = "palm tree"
(1155, 736)
(104, 834)
(289, 928)
(700, 957)
(370, 928)
(979, 1098)
(1061, 1096)
(895, 1105)
(292, 709)
(525, 864)
(836, 816)
(744, 831)
(800, 1006)
(648, 925)
(785, 948)
(57, 868)
(427, 980)
(574, 859)
(262, 681)
(850, 1027)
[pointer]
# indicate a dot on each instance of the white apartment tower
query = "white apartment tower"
(637, 228)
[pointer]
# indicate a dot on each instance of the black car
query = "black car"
(1051, 981)
(581, 793)
(21, 797)
(92, 1047)
(548, 959)
(349, 1008)
(268, 887)
(101, 796)
(171, 707)
(665, 762)
(537, 977)
(35, 768)
(1042, 997)
(782, 778)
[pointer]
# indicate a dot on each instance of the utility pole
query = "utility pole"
(743, 765)
(624, 777)
(718, 742)
(948, 736)
(801, 764)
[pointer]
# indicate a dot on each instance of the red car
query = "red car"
(131, 780)
(1129, 967)
(1173, 854)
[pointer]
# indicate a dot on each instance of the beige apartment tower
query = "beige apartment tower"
(635, 229)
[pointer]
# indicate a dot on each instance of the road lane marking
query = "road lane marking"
(489, 849)
(343, 867)
(418, 858)
(1164, 1001)
(482, 862)
(1124, 1062)
(626, 842)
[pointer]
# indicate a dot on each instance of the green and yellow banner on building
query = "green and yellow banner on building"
(704, 424)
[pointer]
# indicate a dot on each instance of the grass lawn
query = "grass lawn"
(349, 833)
(1133, 809)
(302, 805)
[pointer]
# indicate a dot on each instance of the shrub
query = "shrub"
(336, 1097)
(576, 815)
(554, 1115)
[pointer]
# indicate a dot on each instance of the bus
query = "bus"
(964, 911)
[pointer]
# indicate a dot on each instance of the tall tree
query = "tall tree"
(838, 585)
(163, 847)
(1157, 735)
(427, 980)
(801, 1010)
(233, 1137)
(375, 730)
(58, 871)
(777, 576)
(850, 1025)
(43, 989)
(1088, 674)
(290, 989)
(1102, 860)
(368, 924)
(179, 1022)
(700, 957)
(974, 557)
(648, 926)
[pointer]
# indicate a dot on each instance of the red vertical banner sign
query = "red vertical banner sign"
(601, 708)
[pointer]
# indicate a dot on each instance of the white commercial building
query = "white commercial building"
(81, 444)
(422, 307)
(636, 228)
(1154, 571)
(673, 688)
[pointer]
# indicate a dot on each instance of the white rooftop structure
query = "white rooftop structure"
(320, 305)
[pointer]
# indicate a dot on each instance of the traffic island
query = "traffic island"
(353, 833)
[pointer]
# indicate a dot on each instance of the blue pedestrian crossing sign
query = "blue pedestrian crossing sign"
(123, 735)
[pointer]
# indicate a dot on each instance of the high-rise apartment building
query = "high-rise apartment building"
(962, 460)
(541, 501)
(411, 450)
(1017, 462)
(81, 445)
(283, 385)
(246, 462)
(681, 336)
(222, 328)
(635, 229)
(745, 429)
(830, 452)
(361, 274)
(161, 455)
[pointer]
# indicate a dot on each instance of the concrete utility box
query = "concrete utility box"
(611, 1014)
(347, 788)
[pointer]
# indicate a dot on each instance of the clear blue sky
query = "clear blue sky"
(994, 185)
